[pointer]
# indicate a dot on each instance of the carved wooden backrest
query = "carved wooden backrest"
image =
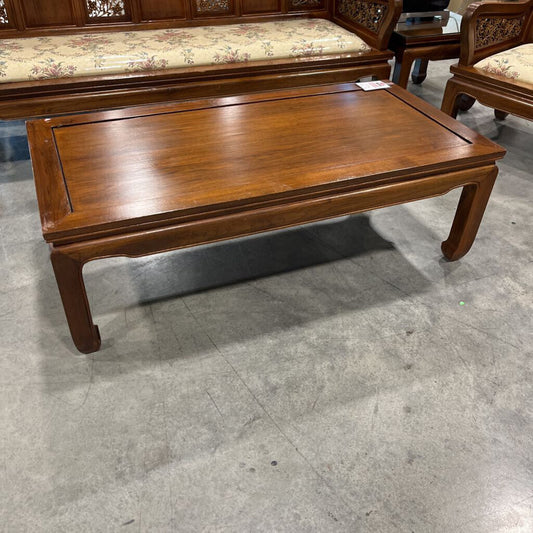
(373, 20)
(489, 28)
(46, 16)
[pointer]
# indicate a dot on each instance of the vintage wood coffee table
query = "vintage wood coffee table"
(140, 181)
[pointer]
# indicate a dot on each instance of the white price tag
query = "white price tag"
(372, 85)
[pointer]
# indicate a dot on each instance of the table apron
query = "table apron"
(272, 217)
(433, 52)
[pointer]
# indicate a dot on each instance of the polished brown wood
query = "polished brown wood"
(39, 13)
(66, 95)
(140, 181)
(162, 9)
(503, 94)
(261, 6)
(420, 44)
(31, 18)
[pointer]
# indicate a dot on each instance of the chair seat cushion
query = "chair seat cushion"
(104, 53)
(515, 64)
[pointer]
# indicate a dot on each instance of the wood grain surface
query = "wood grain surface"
(177, 160)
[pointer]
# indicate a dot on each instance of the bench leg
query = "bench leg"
(68, 272)
(468, 216)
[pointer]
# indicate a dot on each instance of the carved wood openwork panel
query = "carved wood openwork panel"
(105, 8)
(212, 6)
(366, 13)
(304, 4)
(494, 30)
(4, 19)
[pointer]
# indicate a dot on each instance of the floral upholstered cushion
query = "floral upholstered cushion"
(93, 54)
(515, 64)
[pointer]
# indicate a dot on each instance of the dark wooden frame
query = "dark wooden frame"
(419, 48)
(319, 191)
(67, 95)
(503, 94)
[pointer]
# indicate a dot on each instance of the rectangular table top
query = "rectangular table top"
(113, 172)
(425, 33)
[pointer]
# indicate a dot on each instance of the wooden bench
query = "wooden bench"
(78, 55)
(222, 168)
(496, 61)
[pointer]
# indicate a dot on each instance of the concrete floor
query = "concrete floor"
(341, 376)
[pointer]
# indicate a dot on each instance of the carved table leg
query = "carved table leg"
(68, 272)
(468, 216)
(420, 71)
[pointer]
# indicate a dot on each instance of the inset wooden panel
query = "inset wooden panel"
(261, 6)
(301, 5)
(162, 9)
(38, 13)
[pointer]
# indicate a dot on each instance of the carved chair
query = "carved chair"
(496, 62)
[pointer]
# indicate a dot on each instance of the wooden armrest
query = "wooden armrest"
(372, 20)
(491, 27)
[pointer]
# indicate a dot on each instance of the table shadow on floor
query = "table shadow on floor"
(214, 274)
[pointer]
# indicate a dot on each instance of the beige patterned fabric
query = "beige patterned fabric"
(515, 64)
(95, 54)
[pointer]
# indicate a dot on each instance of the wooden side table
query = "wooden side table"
(422, 42)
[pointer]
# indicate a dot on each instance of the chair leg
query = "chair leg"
(466, 102)
(451, 99)
(500, 115)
